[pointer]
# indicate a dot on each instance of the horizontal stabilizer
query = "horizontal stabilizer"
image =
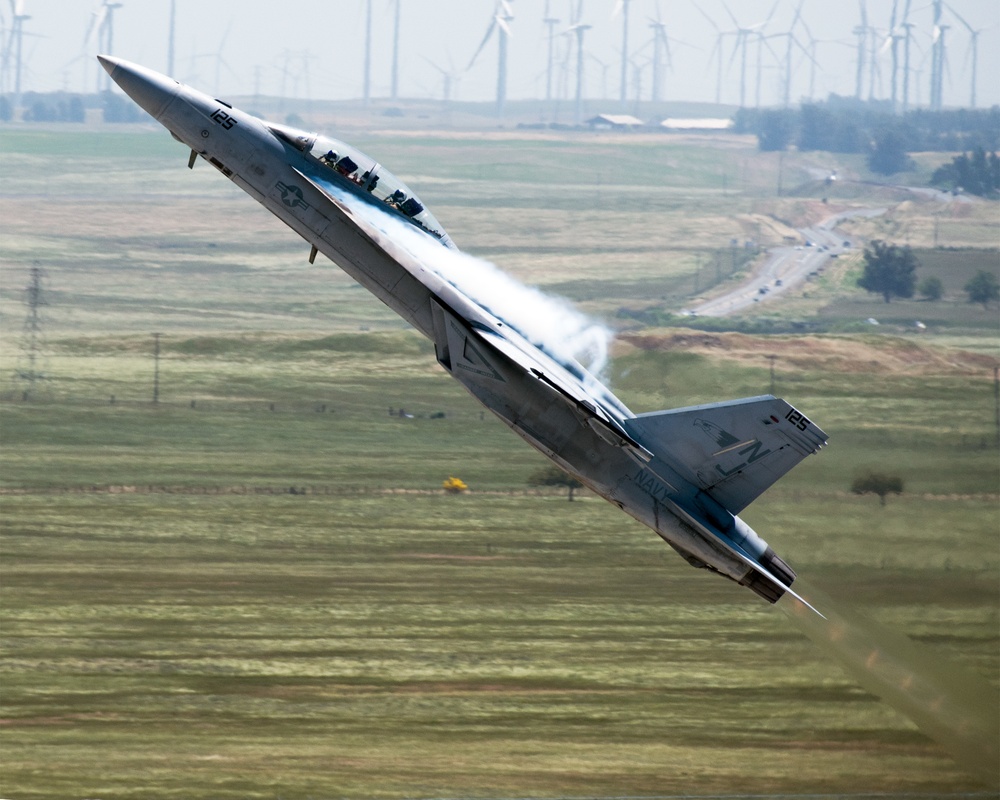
(734, 450)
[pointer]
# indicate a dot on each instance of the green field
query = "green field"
(256, 587)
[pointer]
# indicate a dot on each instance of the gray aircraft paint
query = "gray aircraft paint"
(685, 473)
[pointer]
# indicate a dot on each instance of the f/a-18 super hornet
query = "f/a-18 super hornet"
(686, 472)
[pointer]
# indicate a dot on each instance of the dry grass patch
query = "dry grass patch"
(845, 354)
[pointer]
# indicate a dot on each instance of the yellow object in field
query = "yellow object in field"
(455, 486)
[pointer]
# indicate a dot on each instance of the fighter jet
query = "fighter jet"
(686, 473)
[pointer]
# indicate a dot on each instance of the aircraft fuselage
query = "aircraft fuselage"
(553, 406)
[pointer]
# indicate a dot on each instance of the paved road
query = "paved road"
(786, 267)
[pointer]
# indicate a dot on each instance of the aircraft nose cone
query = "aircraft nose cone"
(148, 88)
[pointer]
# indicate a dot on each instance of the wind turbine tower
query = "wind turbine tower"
(581, 29)
(937, 57)
(892, 42)
(502, 17)
(621, 6)
(908, 27)
(661, 43)
(861, 31)
(973, 53)
(394, 92)
(103, 24)
(742, 39)
(170, 38)
(367, 87)
(17, 38)
(550, 23)
(716, 51)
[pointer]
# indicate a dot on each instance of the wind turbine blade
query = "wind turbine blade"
(619, 5)
(503, 25)
(482, 44)
(93, 27)
(710, 20)
(736, 48)
(425, 58)
(730, 13)
(771, 15)
(958, 16)
(767, 44)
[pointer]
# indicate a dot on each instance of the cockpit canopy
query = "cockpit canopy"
(364, 174)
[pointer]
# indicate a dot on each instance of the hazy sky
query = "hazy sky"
(315, 48)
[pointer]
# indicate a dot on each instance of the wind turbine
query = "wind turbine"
(661, 44)
(621, 7)
(394, 90)
(17, 32)
(449, 78)
(170, 37)
(907, 27)
(13, 47)
(102, 25)
(550, 23)
(366, 89)
(861, 31)
(791, 41)
(972, 52)
(742, 37)
(874, 67)
(502, 17)
(717, 50)
(892, 43)
(942, 65)
(579, 29)
(813, 60)
(937, 56)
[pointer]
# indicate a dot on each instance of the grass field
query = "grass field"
(256, 588)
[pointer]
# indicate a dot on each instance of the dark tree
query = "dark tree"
(889, 270)
(816, 131)
(77, 112)
(878, 483)
(983, 288)
(888, 154)
(931, 288)
(118, 109)
(977, 173)
(553, 476)
(776, 129)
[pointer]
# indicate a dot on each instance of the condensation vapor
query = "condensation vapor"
(951, 705)
(548, 322)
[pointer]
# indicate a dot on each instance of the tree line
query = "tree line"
(890, 271)
(847, 125)
(66, 107)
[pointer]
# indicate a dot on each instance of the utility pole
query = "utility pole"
(29, 371)
(996, 398)
(772, 359)
(156, 368)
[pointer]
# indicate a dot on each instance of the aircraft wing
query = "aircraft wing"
(733, 450)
